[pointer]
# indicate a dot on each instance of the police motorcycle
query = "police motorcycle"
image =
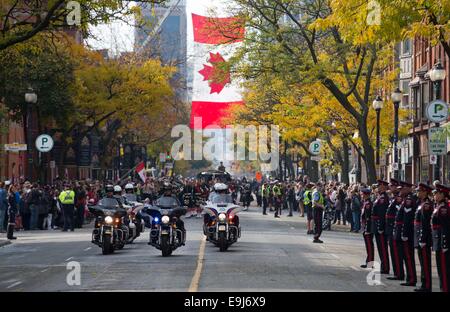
(109, 233)
(167, 229)
(137, 223)
(221, 224)
(128, 226)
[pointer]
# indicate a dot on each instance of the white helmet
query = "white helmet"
(220, 187)
(117, 188)
(129, 186)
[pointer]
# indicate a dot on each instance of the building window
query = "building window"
(425, 98)
(424, 168)
(406, 47)
(415, 103)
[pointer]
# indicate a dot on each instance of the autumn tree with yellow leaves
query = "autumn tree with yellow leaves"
(323, 64)
(79, 91)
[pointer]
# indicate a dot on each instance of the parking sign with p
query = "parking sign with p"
(437, 111)
(44, 143)
(314, 147)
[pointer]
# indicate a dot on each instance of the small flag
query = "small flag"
(140, 170)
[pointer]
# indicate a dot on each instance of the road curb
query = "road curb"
(4, 242)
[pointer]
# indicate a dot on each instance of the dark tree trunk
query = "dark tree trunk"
(345, 164)
(368, 154)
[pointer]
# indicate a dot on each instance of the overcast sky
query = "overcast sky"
(117, 36)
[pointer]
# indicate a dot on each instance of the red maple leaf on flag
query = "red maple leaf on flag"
(217, 75)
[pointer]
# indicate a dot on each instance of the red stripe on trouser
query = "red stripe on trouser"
(425, 267)
(368, 248)
(397, 263)
(383, 250)
(444, 272)
(408, 260)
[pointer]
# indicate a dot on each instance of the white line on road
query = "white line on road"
(333, 255)
(13, 285)
(198, 271)
(44, 270)
(87, 248)
(355, 268)
(68, 259)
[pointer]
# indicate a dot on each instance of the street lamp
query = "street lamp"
(396, 97)
(377, 106)
(30, 98)
(437, 75)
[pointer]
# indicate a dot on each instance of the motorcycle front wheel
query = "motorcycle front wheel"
(223, 244)
(107, 246)
(165, 246)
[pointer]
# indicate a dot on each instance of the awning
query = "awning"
(414, 82)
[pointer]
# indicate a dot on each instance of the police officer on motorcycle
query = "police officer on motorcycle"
(129, 188)
(168, 192)
(220, 191)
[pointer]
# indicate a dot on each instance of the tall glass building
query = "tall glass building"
(166, 41)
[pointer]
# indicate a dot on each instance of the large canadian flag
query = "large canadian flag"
(212, 38)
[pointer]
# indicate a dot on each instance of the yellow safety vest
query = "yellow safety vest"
(306, 199)
(321, 199)
(276, 190)
(67, 197)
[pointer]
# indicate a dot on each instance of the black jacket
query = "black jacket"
(409, 210)
(391, 213)
(441, 227)
(367, 216)
(422, 223)
(379, 213)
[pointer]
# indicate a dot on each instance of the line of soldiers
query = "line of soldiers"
(402, 221)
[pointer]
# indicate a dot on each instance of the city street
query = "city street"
(272, 255)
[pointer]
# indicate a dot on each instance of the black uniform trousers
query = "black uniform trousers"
(410, 263)
(68, 212)
(383, 253)
(265, 203)
(80, 216)
(318, 218)
(397, 257)
(278, 205)
(11, 224)
(443, 267)
(424, 255)
(368, 242)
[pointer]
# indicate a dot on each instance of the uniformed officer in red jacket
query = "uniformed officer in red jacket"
(440, 221)
(380, 207)
(407, 234)
(394, 248)
(422, 235)
(366, 218)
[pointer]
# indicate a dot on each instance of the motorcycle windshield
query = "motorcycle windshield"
(130, 197)
(167, 202)
(109, 203)
(221, 199)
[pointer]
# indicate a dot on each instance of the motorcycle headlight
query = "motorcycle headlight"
(108, 219)
(222, 217)
(165, 219)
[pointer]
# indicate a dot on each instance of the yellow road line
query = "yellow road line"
(198, 271)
